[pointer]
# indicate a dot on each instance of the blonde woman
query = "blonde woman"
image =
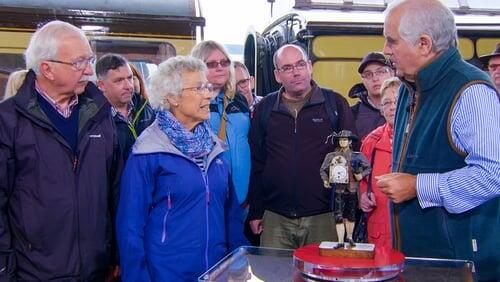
(14, 82)
(230, 114)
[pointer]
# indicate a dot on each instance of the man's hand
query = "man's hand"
(398, 187)
(256, 226)
(326, 183)
(367, 202)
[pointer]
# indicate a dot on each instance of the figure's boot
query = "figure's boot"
(340, 233)
(350, 231)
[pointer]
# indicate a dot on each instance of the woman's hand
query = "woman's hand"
(367, 202)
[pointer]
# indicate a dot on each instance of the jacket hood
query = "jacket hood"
(154, 140)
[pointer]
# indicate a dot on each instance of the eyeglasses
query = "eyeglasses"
(388, 103)
(215, 64)
(493, 67)
(243, 83)
(201, 89)
(289, 68)
(80, 64)
(377, 73)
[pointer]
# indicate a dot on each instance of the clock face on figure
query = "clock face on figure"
(338, 170)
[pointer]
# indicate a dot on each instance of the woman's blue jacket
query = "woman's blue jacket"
(174, 221)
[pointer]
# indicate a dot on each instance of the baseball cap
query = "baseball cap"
(373, 57)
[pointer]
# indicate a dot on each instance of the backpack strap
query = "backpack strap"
(331, 108)
(266, 107)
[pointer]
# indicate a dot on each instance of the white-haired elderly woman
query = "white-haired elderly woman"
(230, 113)
(178, 214)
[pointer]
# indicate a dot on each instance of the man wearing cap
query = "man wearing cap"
(492, 62)
(374, 70)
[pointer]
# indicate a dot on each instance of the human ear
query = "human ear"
(46, 70)
(425, 44)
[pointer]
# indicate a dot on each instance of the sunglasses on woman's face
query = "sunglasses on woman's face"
(215, 64)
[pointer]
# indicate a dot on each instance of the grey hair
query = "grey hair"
(428, 17)
(388, 83)
(238, 64)
(203, 49)
(167, 79)
(44, 43)
(280, 50)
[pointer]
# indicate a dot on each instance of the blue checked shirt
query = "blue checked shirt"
(475, 130)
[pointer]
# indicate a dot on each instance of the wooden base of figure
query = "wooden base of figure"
(347, 250)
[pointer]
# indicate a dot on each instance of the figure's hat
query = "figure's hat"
(345, 134)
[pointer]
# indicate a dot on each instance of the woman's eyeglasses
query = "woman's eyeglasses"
(201, 89)
(215, 64)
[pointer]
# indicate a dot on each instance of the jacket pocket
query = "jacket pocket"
(164, 234)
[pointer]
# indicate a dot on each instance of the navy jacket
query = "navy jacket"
(55, 204)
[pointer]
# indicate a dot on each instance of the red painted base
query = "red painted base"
(385, 265)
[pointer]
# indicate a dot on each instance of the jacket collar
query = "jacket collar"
(91, 100)
(432, 73)
(154, 140)
(317, 96)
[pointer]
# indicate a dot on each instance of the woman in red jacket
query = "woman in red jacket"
(377, 147)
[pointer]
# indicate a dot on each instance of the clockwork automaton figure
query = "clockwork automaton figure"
(342, 170)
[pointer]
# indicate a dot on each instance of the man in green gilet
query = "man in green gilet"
(446, 159)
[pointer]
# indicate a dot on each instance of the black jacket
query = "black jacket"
(142, 116)
(56, 206)
(366, 116)
(285, 176)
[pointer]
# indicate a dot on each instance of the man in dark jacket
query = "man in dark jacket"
(59, 165)
(374, 70)
(288, 203)
(131, 112)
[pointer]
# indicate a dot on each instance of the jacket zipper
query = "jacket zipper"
(207, 193)
(408, 128)
(169, 207)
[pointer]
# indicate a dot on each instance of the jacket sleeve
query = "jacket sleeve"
(114, 176)
(7, 175)
(258, 157)
(367, 148)
(323, 171)
(133, 208)
(235, 220)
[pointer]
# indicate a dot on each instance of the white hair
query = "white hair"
(45, 42)
(428, 17)
(167, 79)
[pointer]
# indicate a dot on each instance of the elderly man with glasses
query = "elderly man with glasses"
(374, 70)
(288, 203)
(59, 165)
